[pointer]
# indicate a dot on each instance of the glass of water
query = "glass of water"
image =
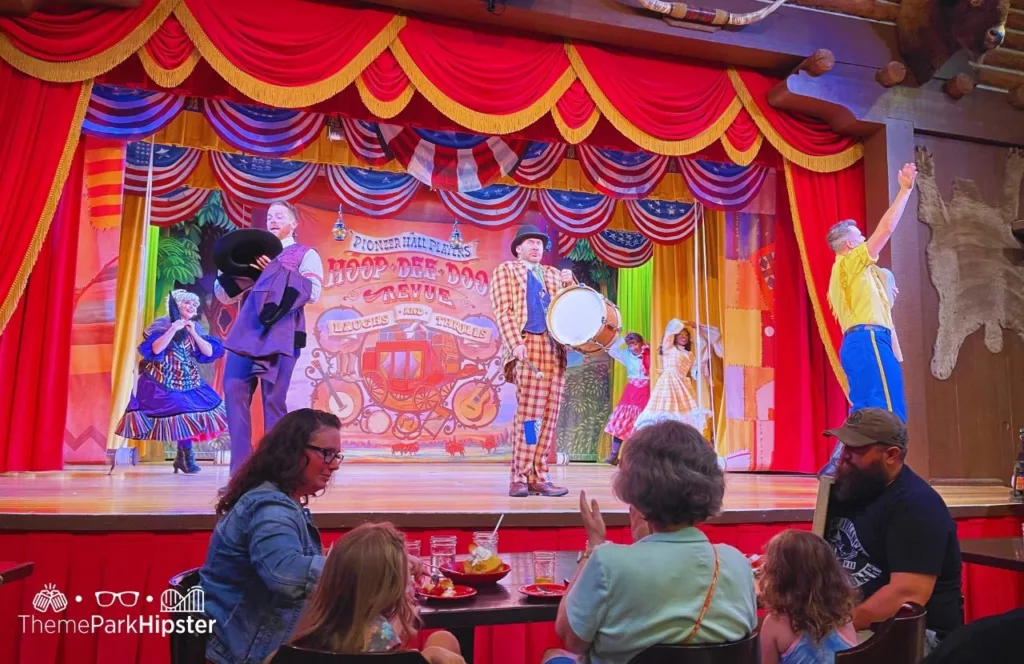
(413, 548)
(442, 551)
(543, 567)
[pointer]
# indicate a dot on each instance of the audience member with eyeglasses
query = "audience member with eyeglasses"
(265, 555)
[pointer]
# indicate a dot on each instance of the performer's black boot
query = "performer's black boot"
(186, 459)
(613, 458)
(829, 469)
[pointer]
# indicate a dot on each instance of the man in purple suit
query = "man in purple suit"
(265, 340)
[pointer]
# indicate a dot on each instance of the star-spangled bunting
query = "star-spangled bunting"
(540, 162)
(723, 186)
(259, 130)
(129, 114)
(495, 207)
(261, 181)
(622, 174)
(577, 213)
(172, 167)
(374, 193)
(665, 222)
(452, 160)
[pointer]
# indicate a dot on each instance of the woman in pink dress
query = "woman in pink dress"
(632, 353)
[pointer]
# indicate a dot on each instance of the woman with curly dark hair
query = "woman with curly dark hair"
(671, 585)
(810, 601)
(265, 555)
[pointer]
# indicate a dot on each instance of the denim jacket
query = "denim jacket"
(264, 559)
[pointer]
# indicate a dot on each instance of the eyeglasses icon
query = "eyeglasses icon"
(105, 598)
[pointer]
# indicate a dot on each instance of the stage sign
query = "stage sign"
(403, 346)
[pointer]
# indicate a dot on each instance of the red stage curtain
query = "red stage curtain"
(802, 371)
(41, 123)
(742, 140)
(384, 88)
(575, 114)
(490, 82)
(284, 56)
(75, 45)
(169, 56)
(663, 105)
(803, 140)
(35, 347)
(81, 563)
(816, 202)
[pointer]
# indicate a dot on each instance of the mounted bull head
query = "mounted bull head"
(683, 12)
(932, 31)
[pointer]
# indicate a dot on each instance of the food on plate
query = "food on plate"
(481, 561)
(443, 587)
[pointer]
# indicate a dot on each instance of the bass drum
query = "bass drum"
(583, 319)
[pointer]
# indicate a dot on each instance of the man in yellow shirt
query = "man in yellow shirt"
(861, 295)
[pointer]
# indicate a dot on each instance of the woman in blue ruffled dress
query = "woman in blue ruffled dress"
(171, 401)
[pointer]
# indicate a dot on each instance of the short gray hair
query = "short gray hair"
(670, 474)
(181, 295)
(837, 235)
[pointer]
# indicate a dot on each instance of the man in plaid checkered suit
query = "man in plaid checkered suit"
(521, 291)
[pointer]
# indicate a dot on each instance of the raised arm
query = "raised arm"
(891, 218)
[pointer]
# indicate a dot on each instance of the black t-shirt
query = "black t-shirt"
(906, 528)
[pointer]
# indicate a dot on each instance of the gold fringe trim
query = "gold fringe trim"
(818, 164)
(10, 303)
(742, 157)
(279, 95)
(819, 316)
(473, 120)
(637, 135)
(575, 135)
(380, 108)
(94, 65)
(168, 78)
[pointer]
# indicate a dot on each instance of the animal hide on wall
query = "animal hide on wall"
(975, 263)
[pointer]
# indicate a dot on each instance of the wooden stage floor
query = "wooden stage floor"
(150, 497)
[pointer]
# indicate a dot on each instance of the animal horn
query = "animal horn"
(684, 12)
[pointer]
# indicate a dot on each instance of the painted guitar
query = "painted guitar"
(344, 410)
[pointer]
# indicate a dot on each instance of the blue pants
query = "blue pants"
(240, 377)
(874, 374)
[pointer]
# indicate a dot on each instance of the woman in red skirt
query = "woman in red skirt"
(632, 353)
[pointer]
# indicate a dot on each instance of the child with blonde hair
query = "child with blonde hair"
(810, 601)
(364, 601)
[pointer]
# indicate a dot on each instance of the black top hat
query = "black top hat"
(235, 252)
(528, 232)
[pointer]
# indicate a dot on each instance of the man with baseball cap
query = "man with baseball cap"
(891, 530)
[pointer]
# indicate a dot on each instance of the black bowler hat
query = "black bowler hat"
(528, 232)
(235, 252)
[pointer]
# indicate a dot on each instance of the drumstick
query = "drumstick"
(536, 372)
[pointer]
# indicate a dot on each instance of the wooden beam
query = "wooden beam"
(959, 86)
(875, 10)
(998, 78)
(852, 102)
(1015, 20)
(1007, 58)
(1014, 40)
(779, 43)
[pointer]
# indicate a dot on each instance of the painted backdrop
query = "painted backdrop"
(403, 346)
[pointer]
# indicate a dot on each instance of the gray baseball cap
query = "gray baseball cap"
(870, 426)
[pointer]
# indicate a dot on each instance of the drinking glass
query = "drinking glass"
(543, 567)
(487, 540)
(442, 551)
(413, 548)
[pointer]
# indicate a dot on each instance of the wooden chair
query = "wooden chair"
(296, 655)
(747, 651)
(898, 640)
(186, 648)
(821, 505)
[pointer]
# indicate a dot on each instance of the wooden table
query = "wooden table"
(14, 571)
(501, 604)
(1002, 552)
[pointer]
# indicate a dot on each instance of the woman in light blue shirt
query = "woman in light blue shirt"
(671, 586)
